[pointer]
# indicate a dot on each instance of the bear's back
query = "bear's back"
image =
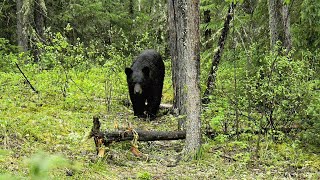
(152, 59)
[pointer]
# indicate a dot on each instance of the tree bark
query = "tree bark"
(21, 27)
(177, 25)
(127, 135)
(286, 26)
(123, 135)
(39, 19)
(184, 20)
(273, 22)
(279, 24)
(217, 57)
(193, 100)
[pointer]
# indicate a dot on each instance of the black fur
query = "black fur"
(146, 77)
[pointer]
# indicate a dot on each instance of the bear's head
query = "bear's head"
(138, 79)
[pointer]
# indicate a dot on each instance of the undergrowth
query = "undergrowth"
(44, 135)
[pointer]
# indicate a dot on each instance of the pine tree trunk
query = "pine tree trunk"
(21, 27)
(193, 100)
(286, 26)
(279, 24)
(273, 22)
(184, 19)
(39, 15)
(176, 26)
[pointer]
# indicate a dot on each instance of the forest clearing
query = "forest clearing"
(238, 82)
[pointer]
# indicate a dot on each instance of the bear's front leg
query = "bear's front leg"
(138, 104)
(153, 106)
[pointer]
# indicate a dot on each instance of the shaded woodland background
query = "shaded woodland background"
(262, 107)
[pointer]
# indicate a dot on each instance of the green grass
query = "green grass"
(44, 136)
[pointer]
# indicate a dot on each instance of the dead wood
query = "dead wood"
(126, 135)
(27, 80)
(106, 137)
(218, 54)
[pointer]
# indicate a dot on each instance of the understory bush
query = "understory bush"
(279, 95)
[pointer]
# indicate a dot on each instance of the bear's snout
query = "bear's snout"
(137, 89)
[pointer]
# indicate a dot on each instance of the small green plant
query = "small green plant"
(41, 164)
(144, 175)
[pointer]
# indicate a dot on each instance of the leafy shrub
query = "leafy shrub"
(273, 91)
(144, 175)
(40, 164)
(280, 89)
(58, 52)
(7, 55)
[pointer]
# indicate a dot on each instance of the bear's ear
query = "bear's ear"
(146, 71)
(128, 71)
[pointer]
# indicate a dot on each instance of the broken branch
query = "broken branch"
(26, 79)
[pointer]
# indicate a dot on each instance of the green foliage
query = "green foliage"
(273, 91)
(55, 123)
(312, 114)
(8, 177)
(306, 30)
(144, 175)
(80, 73)
(8, 21)
(111, 23)
(279, 88)
(234, 1)
(40, 164)
(60, 53)
(6, 47)
(7, 55)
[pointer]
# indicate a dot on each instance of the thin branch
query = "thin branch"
(217, 57)
(26, 79)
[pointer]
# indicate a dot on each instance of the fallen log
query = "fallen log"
(106, 137)
(126, 135)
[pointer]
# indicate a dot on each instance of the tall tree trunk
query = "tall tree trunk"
(21, 27)
(286, 27)
(192, 59)
(216, 59)
(279, 24)
(176, 25)
(39, 17)
(184, 20)
(273, 22)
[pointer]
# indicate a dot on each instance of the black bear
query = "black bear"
(145, 82)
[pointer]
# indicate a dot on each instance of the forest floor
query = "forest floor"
(45, 136)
